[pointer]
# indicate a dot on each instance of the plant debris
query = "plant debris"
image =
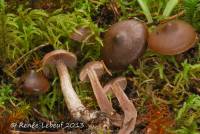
(164, 89)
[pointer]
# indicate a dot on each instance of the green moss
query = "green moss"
(162, 79)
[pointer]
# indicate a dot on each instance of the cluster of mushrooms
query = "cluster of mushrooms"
(127, 40)
(124, 43)
(61, 60)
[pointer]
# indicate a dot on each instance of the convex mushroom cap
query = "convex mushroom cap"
(99, 68)
(124, 43)
(80, 34)
(173, 37)
(51, 59)
(33, 82)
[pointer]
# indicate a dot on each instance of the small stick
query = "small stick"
(29, 52)
(173, 17)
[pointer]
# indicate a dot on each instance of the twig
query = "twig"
(12, 103)
(40, 116)
(29, 52)
(173, 17)
(113, 5)
(177, 15)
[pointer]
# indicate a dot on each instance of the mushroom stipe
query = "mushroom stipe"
(59, 60)
(117, 86)
(93, 71)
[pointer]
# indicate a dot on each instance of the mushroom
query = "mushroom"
(92, 71)
(60, 60)
(173, 37)
(124, 43)
(34, 83)
(117, 86)
(80, 34)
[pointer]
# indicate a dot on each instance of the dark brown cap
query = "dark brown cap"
(34, 82)
(124, 43)
(173, 37)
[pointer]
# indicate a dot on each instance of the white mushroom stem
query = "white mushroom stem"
(76, 108)
(130, 112)
(102, 100)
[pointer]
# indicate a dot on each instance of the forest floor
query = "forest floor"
(164, 89)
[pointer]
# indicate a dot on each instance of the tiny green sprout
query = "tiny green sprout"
(169, 7)
(5, 95)
(146, 11)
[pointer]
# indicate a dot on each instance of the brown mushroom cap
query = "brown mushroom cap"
(173, 37)
(98, 66)
(121, 81)
(51, 59)
(33, 82)
(124, 43)
(80, 34)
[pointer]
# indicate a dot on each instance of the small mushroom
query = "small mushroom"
(117, 86)
(80, 34)
(173, 37)
(60, 60)
(124, 43)
(92, 71)
(34, 83)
